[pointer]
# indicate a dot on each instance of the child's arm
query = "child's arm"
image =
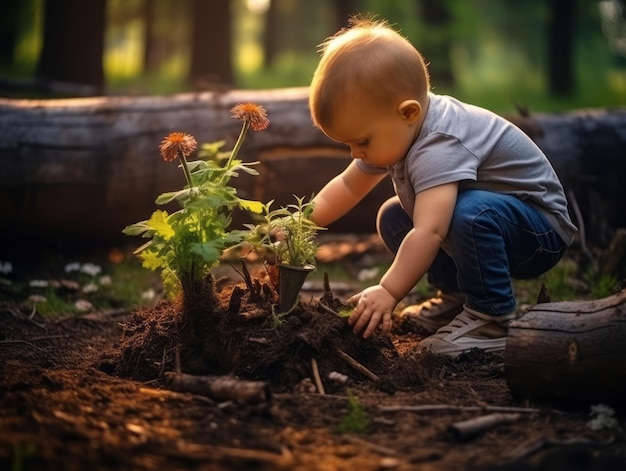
(431, 219)
(342, 193)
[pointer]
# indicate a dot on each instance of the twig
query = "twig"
(316, 376)
(357, 366)
(33, 312)
(19, 315)
(297, 396)
(193, 451)
(163, 360)
(581, 224)
(221, 388)
(101, 315)
(327, 309)
(383, 450)
(256, 313)
(23, 341)
(533, 446)
(43, 337)
(177, 369)
(448, 407)
(469, 429)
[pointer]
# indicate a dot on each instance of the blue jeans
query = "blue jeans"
(492, 238)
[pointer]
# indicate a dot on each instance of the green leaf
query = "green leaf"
(209, 251)
(211, 150)
(252, 206)
(160, 224)
(151, 260)
(246, 167)
(136, 229)
(143, 247)
(174, 195)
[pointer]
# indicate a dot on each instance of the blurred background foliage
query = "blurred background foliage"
(544, 55)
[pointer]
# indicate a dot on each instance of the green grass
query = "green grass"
(50, 290)
(356, 420)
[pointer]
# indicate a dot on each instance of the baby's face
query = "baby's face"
(376, 135)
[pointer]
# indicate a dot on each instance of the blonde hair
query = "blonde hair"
(369, 59)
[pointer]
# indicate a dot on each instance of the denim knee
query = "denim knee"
(393, 224)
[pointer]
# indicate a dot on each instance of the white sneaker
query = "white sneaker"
(425, 318)
(469, 329)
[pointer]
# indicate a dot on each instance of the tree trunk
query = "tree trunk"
(561, 71)
(569, 353)
(9, 15)
(211, 45)
(270, 35)
(73, 42)
(343, 10)
(436, 50)
(150, 62)
(89, 167)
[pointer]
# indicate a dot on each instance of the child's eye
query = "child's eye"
(363, 143)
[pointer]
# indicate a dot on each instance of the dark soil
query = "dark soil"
(98, 392)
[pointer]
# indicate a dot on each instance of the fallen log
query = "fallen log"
(571, 354)
(221, 388)
(88, 167)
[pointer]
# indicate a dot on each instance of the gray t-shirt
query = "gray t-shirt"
(480, 150)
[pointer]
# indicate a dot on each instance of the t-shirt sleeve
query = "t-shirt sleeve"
(441, 159)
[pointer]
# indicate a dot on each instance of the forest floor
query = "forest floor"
(64, 405)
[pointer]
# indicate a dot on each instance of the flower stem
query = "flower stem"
(240, 139)
(183, 162)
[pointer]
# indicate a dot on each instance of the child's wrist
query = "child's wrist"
(390, 293)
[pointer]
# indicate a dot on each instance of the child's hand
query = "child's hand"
(374, 306)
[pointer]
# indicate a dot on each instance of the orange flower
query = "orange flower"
(175, 143)
(255, 114)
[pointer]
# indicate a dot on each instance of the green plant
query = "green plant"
(296, 232)
(187, 244)
(356, 420)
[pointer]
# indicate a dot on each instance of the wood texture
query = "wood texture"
(88, 167)
(570, 353)
(221, 388)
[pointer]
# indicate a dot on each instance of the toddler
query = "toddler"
(477, 202)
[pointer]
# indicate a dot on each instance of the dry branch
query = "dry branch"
(256, 313)
(533, 446)
(471, 428)
(221, 388)
(316, 376)
(357, 366)
(210, 453)
(449, 407)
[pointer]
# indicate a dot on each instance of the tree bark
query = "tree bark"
(9, 16)
(344, 9)
(73, 42)
(270, 36)
(211, 45)
(561, 71)
(436, 16)
(150, 62)
(569, 353)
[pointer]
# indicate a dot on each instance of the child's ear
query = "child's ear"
(410, 110)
